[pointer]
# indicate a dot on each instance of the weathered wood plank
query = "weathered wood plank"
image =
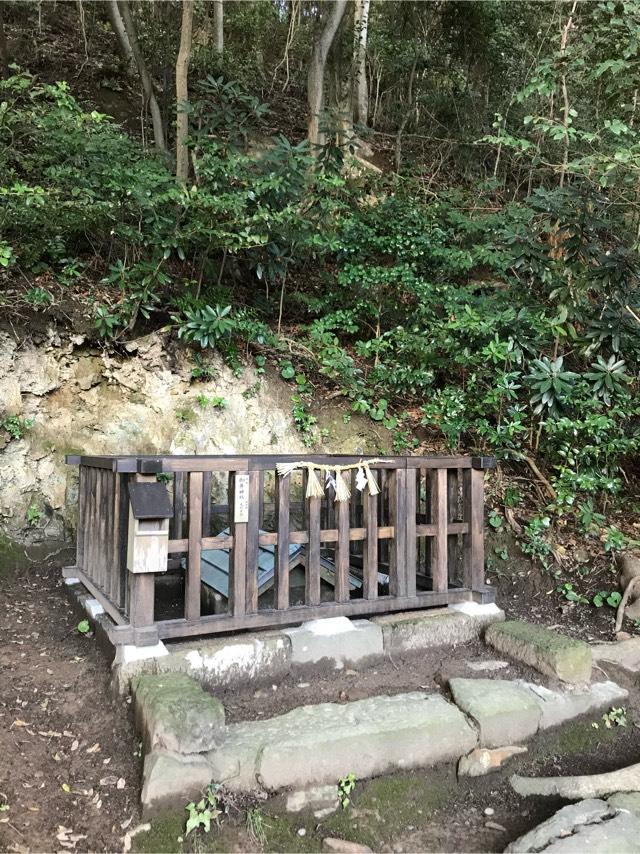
(206, 503)
(440, 520)
(476, 533)
(176, 528)
(312, 576)
(344, 514)
(410, 532)
(301, 613)
(370, 556)
(283, 495)
(238, 562)
(192, 580)
(398, 546)
(253, 548)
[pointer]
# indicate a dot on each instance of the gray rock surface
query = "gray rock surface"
(592, 825)
(560, 706)
(171, 780)
(314, 745)
(411, 630)
(314, 798)
(546, 650)
(338, 639)
(341, 846)
(506, 713)
(629, 801)
(483, 761)
(173, 712)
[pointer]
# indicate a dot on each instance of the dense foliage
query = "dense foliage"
(497, 310)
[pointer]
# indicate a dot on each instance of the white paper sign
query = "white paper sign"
(241, 502)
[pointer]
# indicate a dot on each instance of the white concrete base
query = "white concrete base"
(475, 609)
(127, 653)
(93, 608)
(71, 581)
(336, 638)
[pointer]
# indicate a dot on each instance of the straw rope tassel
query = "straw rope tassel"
(314, 487)
(343, 493)
(372, 483)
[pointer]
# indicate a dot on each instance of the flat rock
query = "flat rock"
(503, 710)
(486, 666)
(591, 825)
(337, 638)
(341, 846)
(560, 706)
(411, 630)
(629, 801)
(174, 713)
(621, 659)
(171, 780)
(483, 761)
(548, 651)
(314, 745)
(314, 798)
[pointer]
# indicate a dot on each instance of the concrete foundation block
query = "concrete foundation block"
(548, 651)
(174, 713)
(560, 706)
(338, 639)
(506, 713)
(313, 799)
(171, 780)
(93, 607)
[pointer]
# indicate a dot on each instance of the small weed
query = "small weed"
(83, 627)
(287, 371)
(501, 552)
(15, 426)
(256, 825)
(261, 361)
(496, 520)
(38, 297)
(252, 391)
(304, 421)
(512, 497)
(610, 597)
(616, 716)
(184, 416)
(204, 812)
(33, 515)
(570, 594)
(215, 402)
(615, 540)
(346, 785)
(201, 371)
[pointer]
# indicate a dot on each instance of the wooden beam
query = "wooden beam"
(192, 582)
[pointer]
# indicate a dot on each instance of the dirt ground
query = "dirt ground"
(70, 767)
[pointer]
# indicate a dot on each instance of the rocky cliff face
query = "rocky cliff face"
(83, 400)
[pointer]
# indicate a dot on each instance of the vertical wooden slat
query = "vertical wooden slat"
(93, 528)
(206, 504)
(370, 555)
(439, 518)
(410, 511)
(261, 499)
(102, 528)
(81, 517)
(177, 523)
(192, 582)
(115, 539)
(123, 514)
(452, 516)
(476, 535)
(343, 512)
(253, 547)
(398, 546)
(282, 496)
(312, 578)
(238, 562)
(142, 585)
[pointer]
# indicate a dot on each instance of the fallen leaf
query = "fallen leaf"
(95, 748)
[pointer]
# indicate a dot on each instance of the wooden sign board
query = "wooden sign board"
(241, 498)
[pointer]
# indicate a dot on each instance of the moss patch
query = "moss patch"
(11, 555)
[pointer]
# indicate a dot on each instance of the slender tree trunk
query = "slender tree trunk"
(218, 26)
(117, 25)
(315, 80)
(4, 52)
(145, 77)
(360, 89)
(407, 114)
(564, 38)
(182, 92)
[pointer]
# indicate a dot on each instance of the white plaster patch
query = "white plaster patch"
(71, 581)
(329, 626)
(476, 609)
(126, 653)
(93, 608)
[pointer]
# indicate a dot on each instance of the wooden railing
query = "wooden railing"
(418, 543)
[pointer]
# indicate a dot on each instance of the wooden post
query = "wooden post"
(142, 585)
(253, 546)
(238, 561)
(312, 577)
(177, 523)
(475, 559)
(398, 547)
(342, 550)
(194, 558)
(439, 518)
(206, 504)
(370, 555)
(282, 496)
(411, 562)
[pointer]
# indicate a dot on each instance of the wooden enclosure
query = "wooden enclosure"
(416, 544)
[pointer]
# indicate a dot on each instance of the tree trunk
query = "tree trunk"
(145, 77)
(360, 88)
(315, 80)
(117, 25)
(580, 787)
(218, 26)
(4, 52)
(182, 92)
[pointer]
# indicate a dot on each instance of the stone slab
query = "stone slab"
(505, 712)
(338, 639)
(629, 801)
(313, 798)
(625, 654)
(315, 745)
(572, 702)
(591, 825)
(548, 651)
(171, 780)
(415, 630)
(174, 713)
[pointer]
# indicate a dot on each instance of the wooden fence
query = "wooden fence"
(418, 543)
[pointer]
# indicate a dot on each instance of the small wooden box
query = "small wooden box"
(149, 514)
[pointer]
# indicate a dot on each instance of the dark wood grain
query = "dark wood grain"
(440, 520)
(253, 549)
(411, 566)
(343, 513)
(370, 557)
(192, 580)
(283, 495)
(312, 576)
(238, 562)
